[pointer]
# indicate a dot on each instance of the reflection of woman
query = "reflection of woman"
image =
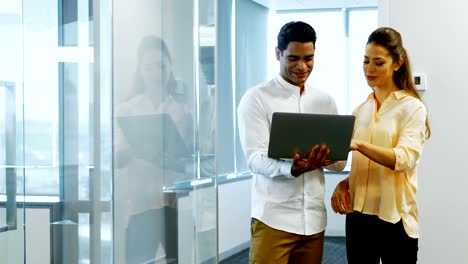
(390, 130)
(143, 153)
(155, 89)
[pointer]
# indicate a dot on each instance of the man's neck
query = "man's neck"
(301, 89)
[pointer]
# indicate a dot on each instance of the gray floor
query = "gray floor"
(334, 253)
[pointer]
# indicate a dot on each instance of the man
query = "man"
(288, 211)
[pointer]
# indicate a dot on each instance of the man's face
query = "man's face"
(296, 62)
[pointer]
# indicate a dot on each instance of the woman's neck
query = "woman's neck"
(381, 93)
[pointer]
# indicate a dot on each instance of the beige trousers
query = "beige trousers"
(272, 246)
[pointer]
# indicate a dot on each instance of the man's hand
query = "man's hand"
(317, 159)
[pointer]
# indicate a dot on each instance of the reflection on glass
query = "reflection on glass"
(76, 22)
(59, 141)
(155, 119)
(164, 133)
(11, 153)
(84, 235)
(206, 127)
(154, 129)
(2, 146)
(41, 85)
(11, 172)
(205, 197)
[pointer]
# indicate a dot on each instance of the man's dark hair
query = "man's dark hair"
(295, 31)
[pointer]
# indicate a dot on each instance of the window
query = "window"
(57, 77)
(341, 40)
(342, 36)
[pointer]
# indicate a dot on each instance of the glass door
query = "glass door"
(11, 171)
(12, 243)
(55, 153)
(164, 102)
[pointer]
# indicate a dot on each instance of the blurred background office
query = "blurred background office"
(118, 139)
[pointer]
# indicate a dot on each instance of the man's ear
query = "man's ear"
(278, 53)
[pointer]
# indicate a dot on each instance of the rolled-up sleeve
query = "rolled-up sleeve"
(411, 140)
(338, 166)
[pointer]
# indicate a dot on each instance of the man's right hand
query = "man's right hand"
(317, 159)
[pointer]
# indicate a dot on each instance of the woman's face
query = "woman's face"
(154, 69)
(379, 66)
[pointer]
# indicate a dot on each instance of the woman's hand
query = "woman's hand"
(384, 156)
(355, 144)
(340, 200)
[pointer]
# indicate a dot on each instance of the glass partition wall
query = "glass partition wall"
(165, 187)
(55, 174)
(11, 134)
(108, 152)
(109, 149)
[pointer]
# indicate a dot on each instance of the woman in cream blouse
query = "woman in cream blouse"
(389, 134)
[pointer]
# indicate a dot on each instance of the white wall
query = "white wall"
(234, 217)
(435, 35)
(11, 242)
(335, 222)
(37, 238)
(233, 221)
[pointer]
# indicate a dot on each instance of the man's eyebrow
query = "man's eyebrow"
(297, 56)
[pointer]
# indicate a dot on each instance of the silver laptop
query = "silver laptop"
(292, 133)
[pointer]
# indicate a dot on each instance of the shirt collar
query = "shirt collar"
(292, 88)
(397, 95)
(400, 94)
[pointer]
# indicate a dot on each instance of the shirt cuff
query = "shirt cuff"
(400, 162)
(286, 169)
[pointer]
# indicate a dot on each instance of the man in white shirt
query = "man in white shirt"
(288, 211)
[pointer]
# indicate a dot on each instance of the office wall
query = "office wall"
(37, 237)
(234, 217)
(225, 83)
(335, 222)
(239, 68)
(435, 35)
(250, 54)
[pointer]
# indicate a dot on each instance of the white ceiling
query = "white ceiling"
(314, 4)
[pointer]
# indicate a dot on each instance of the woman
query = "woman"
(150, 120)
(390, 130)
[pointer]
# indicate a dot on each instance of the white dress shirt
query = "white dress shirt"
(280, 200)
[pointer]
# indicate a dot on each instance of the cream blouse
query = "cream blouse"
(378, 190)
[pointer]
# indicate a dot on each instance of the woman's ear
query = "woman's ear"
(398, 64)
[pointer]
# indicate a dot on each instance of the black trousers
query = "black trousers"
(370, 239)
